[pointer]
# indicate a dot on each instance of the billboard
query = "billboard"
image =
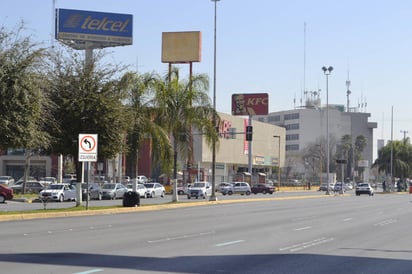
(82, 29)
(181, 47)
(250, 104)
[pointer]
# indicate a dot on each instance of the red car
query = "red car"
(6, 193)
(263, 188)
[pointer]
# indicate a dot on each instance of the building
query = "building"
(307, 126)
(232, 157)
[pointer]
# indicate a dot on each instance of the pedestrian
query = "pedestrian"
(384, 186)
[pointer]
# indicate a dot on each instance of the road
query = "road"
(332, 234)
(20, 206)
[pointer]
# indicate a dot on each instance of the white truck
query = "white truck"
(200, 189)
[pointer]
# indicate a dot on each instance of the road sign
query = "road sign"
(87, 147)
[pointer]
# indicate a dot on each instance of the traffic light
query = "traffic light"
(249, 133)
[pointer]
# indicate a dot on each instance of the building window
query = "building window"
(291, 116)
(290, 137)
(292, 126)
(261, 119)
(292, 147)
(275, 118)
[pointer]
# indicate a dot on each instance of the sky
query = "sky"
(269, 46)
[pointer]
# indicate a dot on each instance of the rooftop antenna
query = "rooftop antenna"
(348, 92)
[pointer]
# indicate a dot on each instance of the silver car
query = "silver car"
(113, 190)
(242, 188)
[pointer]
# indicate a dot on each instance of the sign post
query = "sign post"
(87, 153)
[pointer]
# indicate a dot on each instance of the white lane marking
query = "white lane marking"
(303, 228)
(90, 271)
(186, 236)
(347, 219)
(304, 245)
(386, 222)
(230, 243)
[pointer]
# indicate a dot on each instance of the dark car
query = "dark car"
(262, 188)
(6, 193)
(31, 187)
(94, 193)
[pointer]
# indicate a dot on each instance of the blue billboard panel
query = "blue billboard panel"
(101, 28)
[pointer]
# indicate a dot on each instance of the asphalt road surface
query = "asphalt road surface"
(329, 234)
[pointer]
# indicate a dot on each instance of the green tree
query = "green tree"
(142, 126)
(89, 98)
(24, 104)
(396, 155)
(183, 106)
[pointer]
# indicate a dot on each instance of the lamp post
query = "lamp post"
(327, 71)
(278, 136)
(213, 196)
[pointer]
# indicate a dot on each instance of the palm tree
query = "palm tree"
(182, 107)
(141, 114)
(402, 159)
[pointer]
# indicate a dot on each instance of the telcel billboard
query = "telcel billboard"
(82, 29)
(250, 104)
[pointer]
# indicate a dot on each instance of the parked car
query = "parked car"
(95, 192)
(69, 177)
(140, 188)
(59, 192)
(242, 188)
(126, 179)
(47, 181)
(154, 190)
(348, 186)
(31, 187)
(338, 187)
(6, 193)
(141, 179)
(113, 190)
(183, 189)
(222, 185)
(6, 180)
(364, 188)
(200, 189)
(262, 188)
(324, 187)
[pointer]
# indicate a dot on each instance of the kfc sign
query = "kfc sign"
(250, 104)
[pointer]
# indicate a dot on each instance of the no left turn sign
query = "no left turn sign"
(87, 147)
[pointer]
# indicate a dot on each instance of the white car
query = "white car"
(141, 179)
(200, 190)
(154, 190)
(140, 188)
(47, 181)
(364, 188)
(58, 192)
(6, 180)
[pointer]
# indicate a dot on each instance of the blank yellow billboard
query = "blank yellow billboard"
(181, 47)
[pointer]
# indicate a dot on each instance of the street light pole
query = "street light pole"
(327, 71)
(213, 196)
(278, 136)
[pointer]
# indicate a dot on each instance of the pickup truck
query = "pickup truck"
(200, 189)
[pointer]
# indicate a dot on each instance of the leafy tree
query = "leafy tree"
(89, 98)
(401, 154)
(23, 105)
